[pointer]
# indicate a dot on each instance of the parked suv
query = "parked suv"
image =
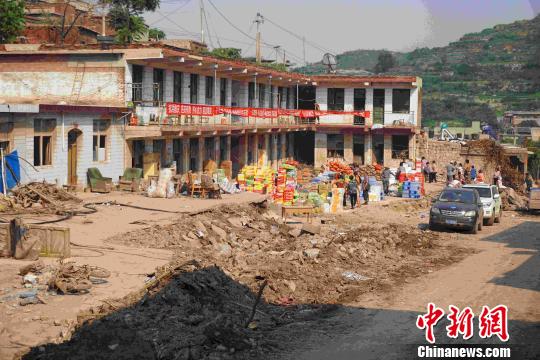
(457, 208)
(491, 201)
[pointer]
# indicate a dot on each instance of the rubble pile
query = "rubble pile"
(302, 264)
(511, 200)
(411, 205)
(494, 155)
(200, 314)
(49, 196)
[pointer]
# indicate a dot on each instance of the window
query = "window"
(158, 85)
(262, 95)
(335, 146)
(209, 90)
(99, 140)
(223, 92)
(401, 100)
(193, 88)
(287, 98)
(281, 97)
(359, 102)
(400, 146)
(177, 95)
(43, 131)
(136, 82)
(4, 145)
(272, 89)
(336, 99)
(251, 94)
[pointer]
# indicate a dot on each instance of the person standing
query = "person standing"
(427, 171)
(528, 182)
(480, 177)
(365, 189)
(386, 180)
(433, 174)
(473, 174)
(449, 173)
(497, 176)
(352, 188)
(317, 109)
(467, 171)
(423, 167)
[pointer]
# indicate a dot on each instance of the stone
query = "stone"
(225, 250)
(200, 226)
(274, 230)
(220, 232)
(311, 229)
(311, 253)
(295, 232)
(235, 221)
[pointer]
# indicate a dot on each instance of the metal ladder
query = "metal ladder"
(77, 83)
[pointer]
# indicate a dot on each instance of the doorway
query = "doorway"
(378, 106)
(378, 149)
(73, 140)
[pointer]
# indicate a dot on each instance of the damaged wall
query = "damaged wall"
(96, 79)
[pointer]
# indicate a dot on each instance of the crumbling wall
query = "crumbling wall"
(442, 152)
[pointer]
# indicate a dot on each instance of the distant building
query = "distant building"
(44, 20)
(472, 132)
(514, 118)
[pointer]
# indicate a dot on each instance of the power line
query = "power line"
(172, 12)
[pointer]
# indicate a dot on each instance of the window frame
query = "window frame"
(209, 84)
(177, 86)
(223, 91)
(193, 88)
(395, 151)
(333, 150)
(159, 79)
(41, 133)
(404, 106)
(336, 99)
(97, 137)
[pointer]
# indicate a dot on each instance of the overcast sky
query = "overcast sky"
(337, 25)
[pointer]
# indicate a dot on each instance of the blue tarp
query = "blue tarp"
(12, 171)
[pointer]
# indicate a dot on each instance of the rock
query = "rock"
(220, 232)
(235, 221)
(311, 229)
(225, 250)
(311, 253)
(57, 323)
(295, 232)
(200, 226)
(113, 346)
(274, 230)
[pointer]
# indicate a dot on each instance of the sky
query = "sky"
(334, 25)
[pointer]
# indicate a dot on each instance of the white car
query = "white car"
(491, 201)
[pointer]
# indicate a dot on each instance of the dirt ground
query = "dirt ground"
(339, 288)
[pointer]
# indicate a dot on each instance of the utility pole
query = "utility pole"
(201, 14)
(284, 61)
(259, 19)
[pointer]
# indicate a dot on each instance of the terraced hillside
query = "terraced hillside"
(475, 78)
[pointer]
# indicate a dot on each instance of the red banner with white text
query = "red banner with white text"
(176, 109)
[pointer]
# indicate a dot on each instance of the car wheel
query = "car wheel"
(480, 223)
(491, 220)
(474, 229)
(432, 226)
(499, 217)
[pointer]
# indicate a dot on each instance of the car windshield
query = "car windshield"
(466, 197)
(484, 192)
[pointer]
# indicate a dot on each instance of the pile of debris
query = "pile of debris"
(250, 243)
(410, 205)
(48, 195)
(512, 200)
(200, 314)
(370, 170)
(495, 156)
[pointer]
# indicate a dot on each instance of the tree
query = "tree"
(227, 53)
(11, 20)
(125, 17)
(385, 61)
(67, 21)
(156, 34)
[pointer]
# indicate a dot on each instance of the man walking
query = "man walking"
(352, 188)
(386, 180)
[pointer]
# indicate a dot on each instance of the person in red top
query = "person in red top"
(480, 176)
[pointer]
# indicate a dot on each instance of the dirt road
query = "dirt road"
(505, 270)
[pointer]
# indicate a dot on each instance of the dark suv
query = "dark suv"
(457, 208)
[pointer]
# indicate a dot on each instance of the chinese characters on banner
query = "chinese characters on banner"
(491, 322)
(210, 110)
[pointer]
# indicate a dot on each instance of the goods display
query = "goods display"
(339, 167)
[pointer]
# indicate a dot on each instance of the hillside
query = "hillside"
(477, 77)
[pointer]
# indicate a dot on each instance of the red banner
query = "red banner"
(210, 110)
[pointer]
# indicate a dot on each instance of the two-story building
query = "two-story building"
(67, 109)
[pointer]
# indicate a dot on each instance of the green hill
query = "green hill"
(475, 78)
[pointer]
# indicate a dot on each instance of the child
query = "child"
(473, 174)
(480, 176)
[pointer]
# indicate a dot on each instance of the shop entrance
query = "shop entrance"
(73, 140)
